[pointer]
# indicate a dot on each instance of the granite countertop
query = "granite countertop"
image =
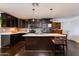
(43, 34)
(6, 33)
(9, 33)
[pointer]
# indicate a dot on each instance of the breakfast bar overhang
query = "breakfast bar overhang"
(44, 35)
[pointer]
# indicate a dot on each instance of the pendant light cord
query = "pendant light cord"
(33, 14)
(51, 12)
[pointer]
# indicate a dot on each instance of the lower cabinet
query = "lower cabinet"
(14, 39)
(5, 40)
(11, 40)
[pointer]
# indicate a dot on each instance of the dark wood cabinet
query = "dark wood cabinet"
(8, 20)
(11, 21)
(22, 23)
(36, 43)
(5, 40)
(5, 20)
(19, 23)
(11, 40)
(14, 22)
(15, 38)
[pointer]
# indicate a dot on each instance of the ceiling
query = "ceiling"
(24, 10)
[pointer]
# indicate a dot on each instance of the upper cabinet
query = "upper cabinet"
(11, 21)
(22, 23)
(8, 20)
(5, 20)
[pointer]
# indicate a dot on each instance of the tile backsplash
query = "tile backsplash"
(11, 29)
(39, 26)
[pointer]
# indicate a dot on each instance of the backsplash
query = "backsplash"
(12, 29)
(39, 26)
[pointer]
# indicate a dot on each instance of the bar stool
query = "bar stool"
(60, 45)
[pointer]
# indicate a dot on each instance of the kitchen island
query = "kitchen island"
(35, 41)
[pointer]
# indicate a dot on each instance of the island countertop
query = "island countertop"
(43, 34)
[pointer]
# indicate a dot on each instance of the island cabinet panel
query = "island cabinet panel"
(15, 38)
(36, 43)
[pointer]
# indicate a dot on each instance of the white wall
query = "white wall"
(70, 26)
(75, 29)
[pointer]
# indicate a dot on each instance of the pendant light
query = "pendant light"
(34, 6)
(33, 15)
(51, 12)
(50, 25)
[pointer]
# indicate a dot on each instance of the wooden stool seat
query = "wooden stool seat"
(60, 45)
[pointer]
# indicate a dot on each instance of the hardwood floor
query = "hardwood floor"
(73, 48)
(35, 53)
(20, 50)
(11, 50)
